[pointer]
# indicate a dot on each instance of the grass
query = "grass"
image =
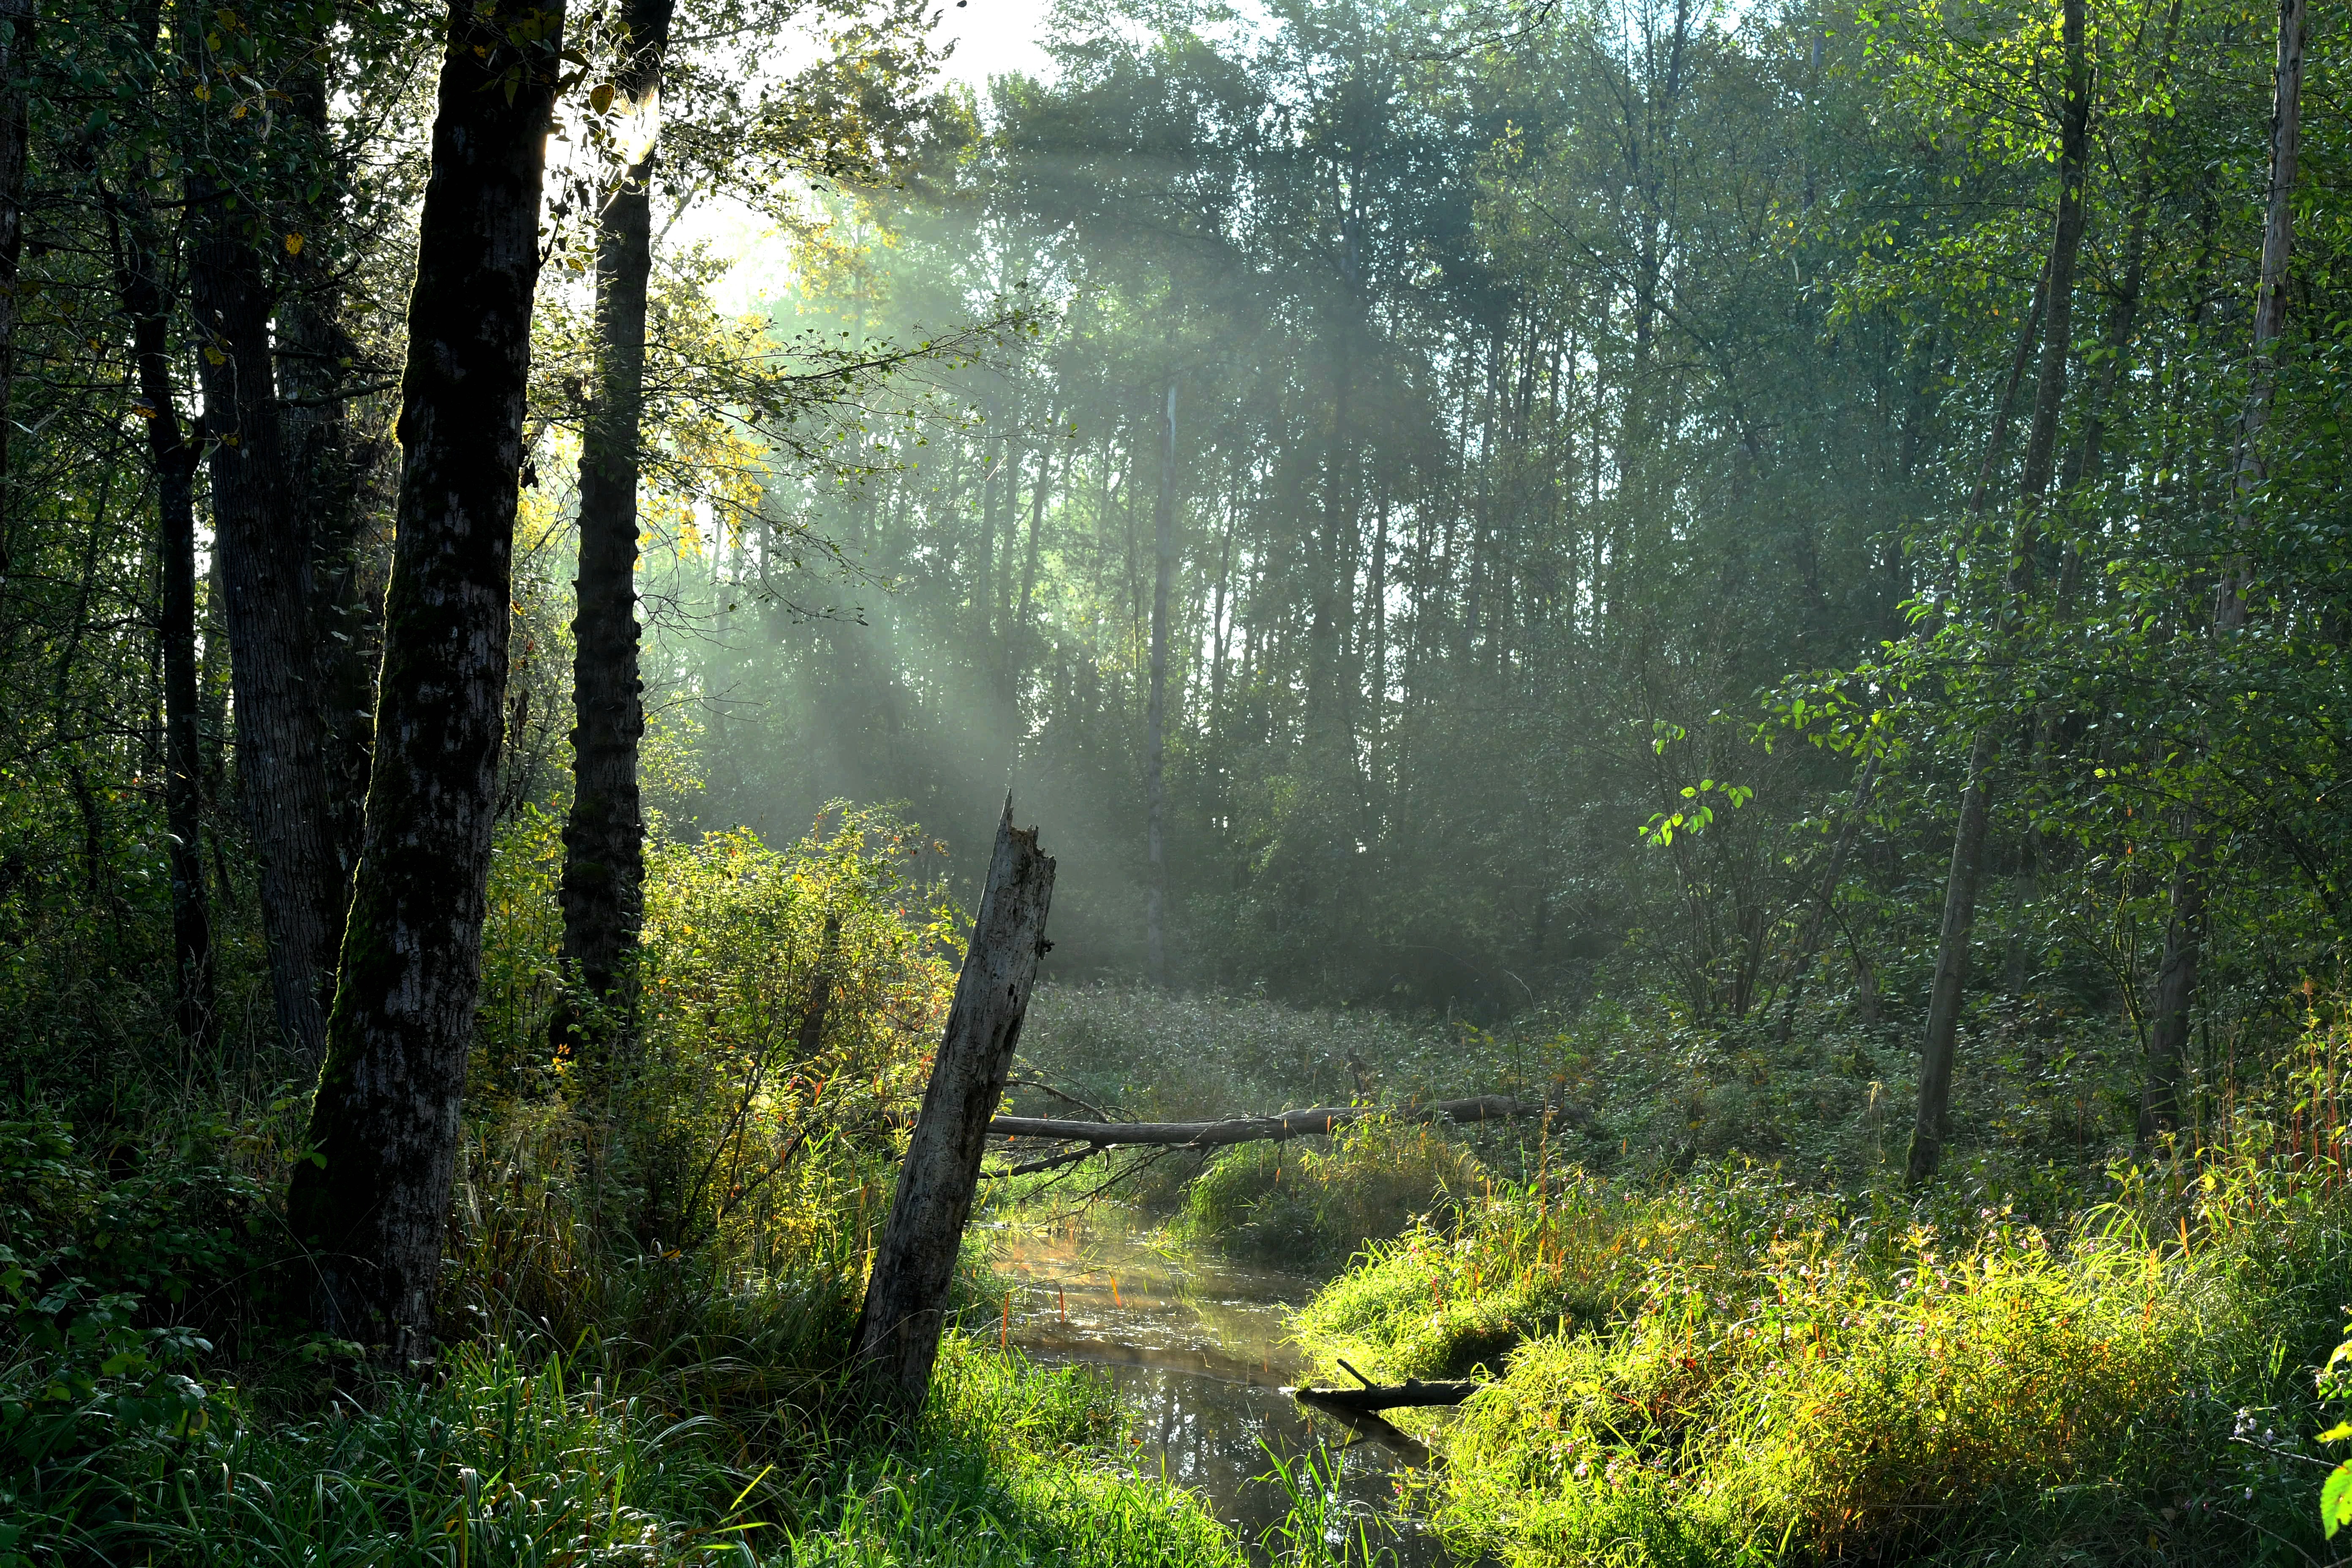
(1306, 1206)
(508, 1461)
(1734, 1369)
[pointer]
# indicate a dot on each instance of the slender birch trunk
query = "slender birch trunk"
(1155, 723)
(2186, 925)
(1931, 1124)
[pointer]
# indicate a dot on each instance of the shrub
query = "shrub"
(1302, 1208)
(1733, 1369)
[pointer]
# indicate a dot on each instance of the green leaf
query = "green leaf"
(2335, 1500)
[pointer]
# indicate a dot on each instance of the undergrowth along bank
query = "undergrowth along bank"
(1733, 1367)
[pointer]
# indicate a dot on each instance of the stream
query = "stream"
(1195, 1345)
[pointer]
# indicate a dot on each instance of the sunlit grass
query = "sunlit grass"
(1733, 1369)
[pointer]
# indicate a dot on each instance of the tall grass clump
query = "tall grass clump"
(1303, 1207)
(1731, 1368)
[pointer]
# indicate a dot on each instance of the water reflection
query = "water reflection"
(1196, 1346)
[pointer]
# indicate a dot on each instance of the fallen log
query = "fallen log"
(1314, 1121)
(1411, 1392)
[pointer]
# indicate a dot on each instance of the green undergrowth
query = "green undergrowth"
(1307, 1205)
(1733, 1368)
(507, 1461)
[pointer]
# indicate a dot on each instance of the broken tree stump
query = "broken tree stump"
(897, 1335)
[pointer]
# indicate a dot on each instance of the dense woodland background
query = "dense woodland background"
(1569, 408)
(1810, 538)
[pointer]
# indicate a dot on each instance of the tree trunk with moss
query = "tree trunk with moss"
(372, 1202)
(603, 838)
(15, 66)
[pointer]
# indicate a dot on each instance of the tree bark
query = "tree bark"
(16, 56)
(897, 1335)
(264, 548)
(317, 361)
(1155, 721)
(2167, 1045)
(172, 457)
(372, 1201)
(1931, 1125)
(604, 835)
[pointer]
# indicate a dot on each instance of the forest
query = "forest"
(754, 795)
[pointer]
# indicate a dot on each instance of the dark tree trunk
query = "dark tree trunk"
(2167, 1045)
(2176, 994)
(897, 1335)
(604, 836)
(16, 56)
(263, 547)
(1931, 1126)
(1155, 718)
(317, 363)
(385, 1124)
(142, 280)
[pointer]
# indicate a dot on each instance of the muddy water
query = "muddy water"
(1197, 1347)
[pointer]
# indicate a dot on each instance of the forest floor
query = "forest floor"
(1717, 1327)
(1716, 1330)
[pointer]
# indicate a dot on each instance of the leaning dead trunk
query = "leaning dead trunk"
(385, 1124)
(604, 836)
(897, 1335)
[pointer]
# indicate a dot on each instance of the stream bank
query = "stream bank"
(1197, 1347)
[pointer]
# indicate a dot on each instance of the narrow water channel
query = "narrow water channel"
(1198, 1347)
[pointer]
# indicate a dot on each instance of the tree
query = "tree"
(1930, 1127)
(2184, 941)
(384, 1127)
(604, 859)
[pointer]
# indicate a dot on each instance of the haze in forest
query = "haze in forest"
(1611, 733)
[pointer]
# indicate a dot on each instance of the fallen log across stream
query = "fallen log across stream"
(1315, 1121)
(1373, 1396)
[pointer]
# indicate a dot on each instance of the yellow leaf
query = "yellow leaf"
(213, 356)
(600, 98)
(293, 245)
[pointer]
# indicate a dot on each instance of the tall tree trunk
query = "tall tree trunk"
(263, 547)
(604, 835)
(1020, 655)
(16, 56)
(141, 279)
(384, 1125)
(1155, 721)
(1931, 1125)
(897, 1335)
(2184, 941)
(317, 360)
